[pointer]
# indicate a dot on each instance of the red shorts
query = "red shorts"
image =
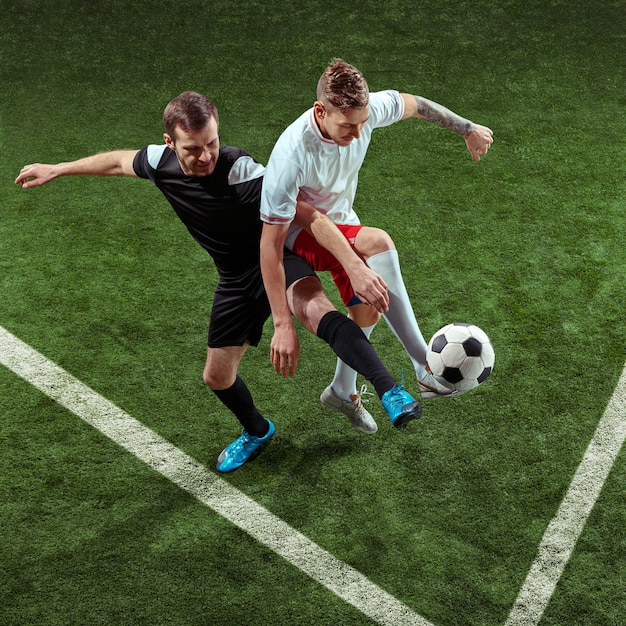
(321, 260)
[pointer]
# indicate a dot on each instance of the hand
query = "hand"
(35, 175)
(285, 350)
(479, 141)
(370, 288)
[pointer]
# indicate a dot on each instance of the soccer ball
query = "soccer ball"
(460, 356)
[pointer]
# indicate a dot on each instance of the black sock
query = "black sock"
(353, 348)
(238, 399)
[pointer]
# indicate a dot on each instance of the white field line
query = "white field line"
(554, 551)
(205, 485)
(563, 531)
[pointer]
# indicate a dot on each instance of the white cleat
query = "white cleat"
(430, 387)
(358, 415)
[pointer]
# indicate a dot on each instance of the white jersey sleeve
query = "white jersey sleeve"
(244, 169)
(386, 108)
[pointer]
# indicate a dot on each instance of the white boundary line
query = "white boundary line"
(554, 550)
(563, 531)
(206, 486)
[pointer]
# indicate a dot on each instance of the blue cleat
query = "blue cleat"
(242, 449)
(401, 406)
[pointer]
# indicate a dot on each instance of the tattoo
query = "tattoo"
(437, 114)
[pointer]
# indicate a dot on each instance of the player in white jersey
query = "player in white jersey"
(318, 159)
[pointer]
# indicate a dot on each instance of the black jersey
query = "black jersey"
(221, 211)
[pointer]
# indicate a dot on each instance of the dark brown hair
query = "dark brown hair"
(191, 111)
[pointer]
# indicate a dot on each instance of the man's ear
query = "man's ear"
(319, 109)
(169, 141)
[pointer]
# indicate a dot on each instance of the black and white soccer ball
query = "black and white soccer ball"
(460, 356)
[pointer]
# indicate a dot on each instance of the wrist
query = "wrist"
(282, 320)
(353, 265)
(465, 128)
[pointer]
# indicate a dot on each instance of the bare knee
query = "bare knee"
(364, 315)
(221, 366)
(370, 241)
(216, 379)
(308, 302)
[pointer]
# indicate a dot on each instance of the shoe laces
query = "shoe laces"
(397, 397)
(240, 443)
(358, 399)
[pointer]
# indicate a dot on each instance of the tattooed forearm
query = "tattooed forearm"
(437, 114)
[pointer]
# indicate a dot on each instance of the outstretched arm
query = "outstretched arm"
(477, 138)
(116, 163)
(369, 287)
(285, 345)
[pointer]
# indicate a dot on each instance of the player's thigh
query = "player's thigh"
(370, 241)
(221, 366)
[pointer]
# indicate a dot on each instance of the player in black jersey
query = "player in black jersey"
(215, 190)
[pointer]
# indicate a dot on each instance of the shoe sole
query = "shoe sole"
(410, 412)
(364, 429)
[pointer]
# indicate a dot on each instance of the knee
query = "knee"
(371, 241)
(216, 379)
(210, 378)
(364, 315)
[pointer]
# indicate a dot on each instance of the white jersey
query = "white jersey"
(305, 163)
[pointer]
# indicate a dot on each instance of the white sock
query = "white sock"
(344, 382)
(400, 316)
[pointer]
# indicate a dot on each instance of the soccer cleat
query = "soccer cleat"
(242, 449)
(358, 415)
(430, 387)
(401, 406)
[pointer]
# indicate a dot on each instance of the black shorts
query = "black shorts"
(240, 305)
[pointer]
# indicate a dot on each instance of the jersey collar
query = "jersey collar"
(316, 130)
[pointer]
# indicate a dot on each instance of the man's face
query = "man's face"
(197, 151)
(342, 127)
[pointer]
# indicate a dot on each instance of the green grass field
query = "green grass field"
(100, 277)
